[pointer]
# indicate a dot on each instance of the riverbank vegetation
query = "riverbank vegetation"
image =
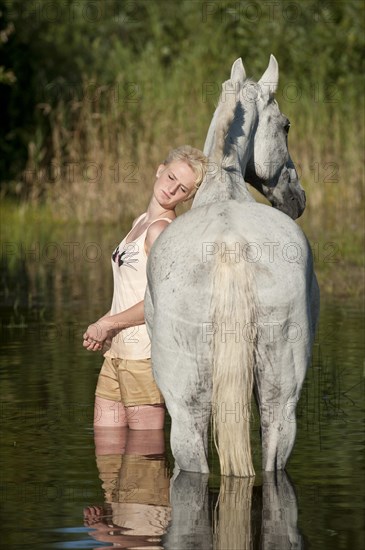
(38, 247)
(95, 93)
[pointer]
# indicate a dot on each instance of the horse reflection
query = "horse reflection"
(190, 527)
(244, 517)
(147, 508)
(279, 513)
(232, 517)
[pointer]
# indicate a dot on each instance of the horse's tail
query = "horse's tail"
(234, 314)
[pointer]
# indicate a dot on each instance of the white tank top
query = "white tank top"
(129, 262)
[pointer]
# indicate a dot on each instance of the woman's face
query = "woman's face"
(175, 182)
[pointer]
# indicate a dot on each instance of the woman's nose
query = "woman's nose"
(173, 188)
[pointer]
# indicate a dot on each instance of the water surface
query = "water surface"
(54, 492)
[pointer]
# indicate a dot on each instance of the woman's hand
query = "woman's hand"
(96, 335)
(100, 333)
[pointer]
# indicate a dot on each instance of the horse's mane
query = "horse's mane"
(226, 113)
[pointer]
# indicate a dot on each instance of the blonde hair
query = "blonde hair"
(195, 158)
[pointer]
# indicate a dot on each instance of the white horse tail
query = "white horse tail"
(234, 314)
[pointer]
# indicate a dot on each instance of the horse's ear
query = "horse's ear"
(270, 79)
(238, 73)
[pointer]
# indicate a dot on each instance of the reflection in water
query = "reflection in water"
(145, 509)
(47, 386)
(279, 513)
(233, 516)
(190, 526)
(135, 480)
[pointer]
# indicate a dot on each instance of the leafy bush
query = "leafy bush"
(103, 89)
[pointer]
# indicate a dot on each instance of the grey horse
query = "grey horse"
(232, 300)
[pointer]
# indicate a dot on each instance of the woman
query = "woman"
(126, 393)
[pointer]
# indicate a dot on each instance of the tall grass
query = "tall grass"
(104, 146)
(130, 87)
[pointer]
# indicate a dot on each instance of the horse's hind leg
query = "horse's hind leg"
(277, 388)
(189, 438)
(187, 395)
(278, 430)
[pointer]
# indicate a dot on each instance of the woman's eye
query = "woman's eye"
(184, 190)
(170, 177)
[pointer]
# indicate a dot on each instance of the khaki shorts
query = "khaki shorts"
(129, 381)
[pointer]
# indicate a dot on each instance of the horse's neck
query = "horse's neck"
(225, 181)
(225, 185)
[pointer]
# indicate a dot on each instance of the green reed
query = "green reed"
(127, 90)
(145, 76)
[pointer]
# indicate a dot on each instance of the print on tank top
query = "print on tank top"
(127, 256)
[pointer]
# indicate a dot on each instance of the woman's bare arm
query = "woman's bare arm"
(108, 326)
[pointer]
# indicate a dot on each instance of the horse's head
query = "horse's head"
(249, 134)
(269, 168)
